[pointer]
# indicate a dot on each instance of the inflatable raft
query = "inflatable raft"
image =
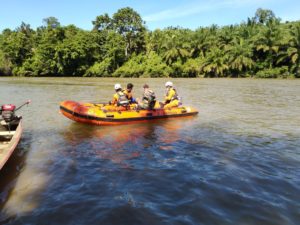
(96, 113)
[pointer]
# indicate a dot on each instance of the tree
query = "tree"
(17, 45)
(225, 36)
(240, 56)
(268, 42)
(263, 16)
(51, 22)
(155, 67)
(120, 45)
(292, 53)
(132, 68)
(100, 69)
(215, 64)
(200, 42)
(114, 49)
(74, 55)
(175, 47)
(130, 25)
(102, 23)
(44, 59)
(191, 67)
(25, 29)
(5, 65)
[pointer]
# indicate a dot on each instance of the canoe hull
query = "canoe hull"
(8, 146)
(93, 114)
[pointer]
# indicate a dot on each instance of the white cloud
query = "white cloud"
(198, 7)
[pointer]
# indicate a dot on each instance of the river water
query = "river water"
(237, 162)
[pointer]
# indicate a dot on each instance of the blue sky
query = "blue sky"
(156, 13)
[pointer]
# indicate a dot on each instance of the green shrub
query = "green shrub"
(277, 72)
(155, 67)
(100, 69)
(133, 68)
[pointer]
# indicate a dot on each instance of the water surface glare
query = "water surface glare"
(237, 162)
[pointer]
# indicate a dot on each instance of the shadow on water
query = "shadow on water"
(25, 193)
(121, 143)
(11, 171)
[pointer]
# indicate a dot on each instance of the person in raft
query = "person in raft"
(128, 93)
(120, 101)
(171, 97)
(148, 99)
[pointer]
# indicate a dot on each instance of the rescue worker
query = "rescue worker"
(148, 99)
(120, 101)
(171, 97)
(128, 93)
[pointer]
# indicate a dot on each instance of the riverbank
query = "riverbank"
(121, 46)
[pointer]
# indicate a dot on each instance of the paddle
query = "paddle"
(26, 103)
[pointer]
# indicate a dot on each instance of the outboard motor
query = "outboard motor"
(8, 112)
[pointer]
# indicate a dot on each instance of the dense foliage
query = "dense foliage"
(121, 46)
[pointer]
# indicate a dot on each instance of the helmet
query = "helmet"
(117, 86)
(169, 84)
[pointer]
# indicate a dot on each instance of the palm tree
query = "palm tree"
(201, 41)
(215, 64)
(240, 55)
(175, 49)
(292, 52)
(226, 36)
(269, 41)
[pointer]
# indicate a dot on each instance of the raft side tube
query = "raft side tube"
(93, 114)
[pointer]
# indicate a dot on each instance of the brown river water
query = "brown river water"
(237, 162)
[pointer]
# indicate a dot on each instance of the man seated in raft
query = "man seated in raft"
(148, 99)
(128, 93)
(171, 97)
(119, 102)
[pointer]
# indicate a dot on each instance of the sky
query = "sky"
(156, 13)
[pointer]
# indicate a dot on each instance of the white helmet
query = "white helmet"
(118, 86)
(169, 84)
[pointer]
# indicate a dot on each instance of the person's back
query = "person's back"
(149, 98)
(119, 101)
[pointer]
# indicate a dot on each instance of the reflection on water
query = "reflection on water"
(122, 143)
(235, 163)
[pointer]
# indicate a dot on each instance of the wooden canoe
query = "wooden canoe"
(9, 139)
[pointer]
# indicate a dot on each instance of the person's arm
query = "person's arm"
(115, 99)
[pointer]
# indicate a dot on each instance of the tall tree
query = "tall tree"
(292, 52)
(240, 56)
(268, 42)
(130, 25)
(215, 64)
(102, 23)
(263, 16)
(200, 41)
(51, 22)
(175, 47)
(17, 45)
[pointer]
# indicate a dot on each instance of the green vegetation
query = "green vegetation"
(121, 46)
